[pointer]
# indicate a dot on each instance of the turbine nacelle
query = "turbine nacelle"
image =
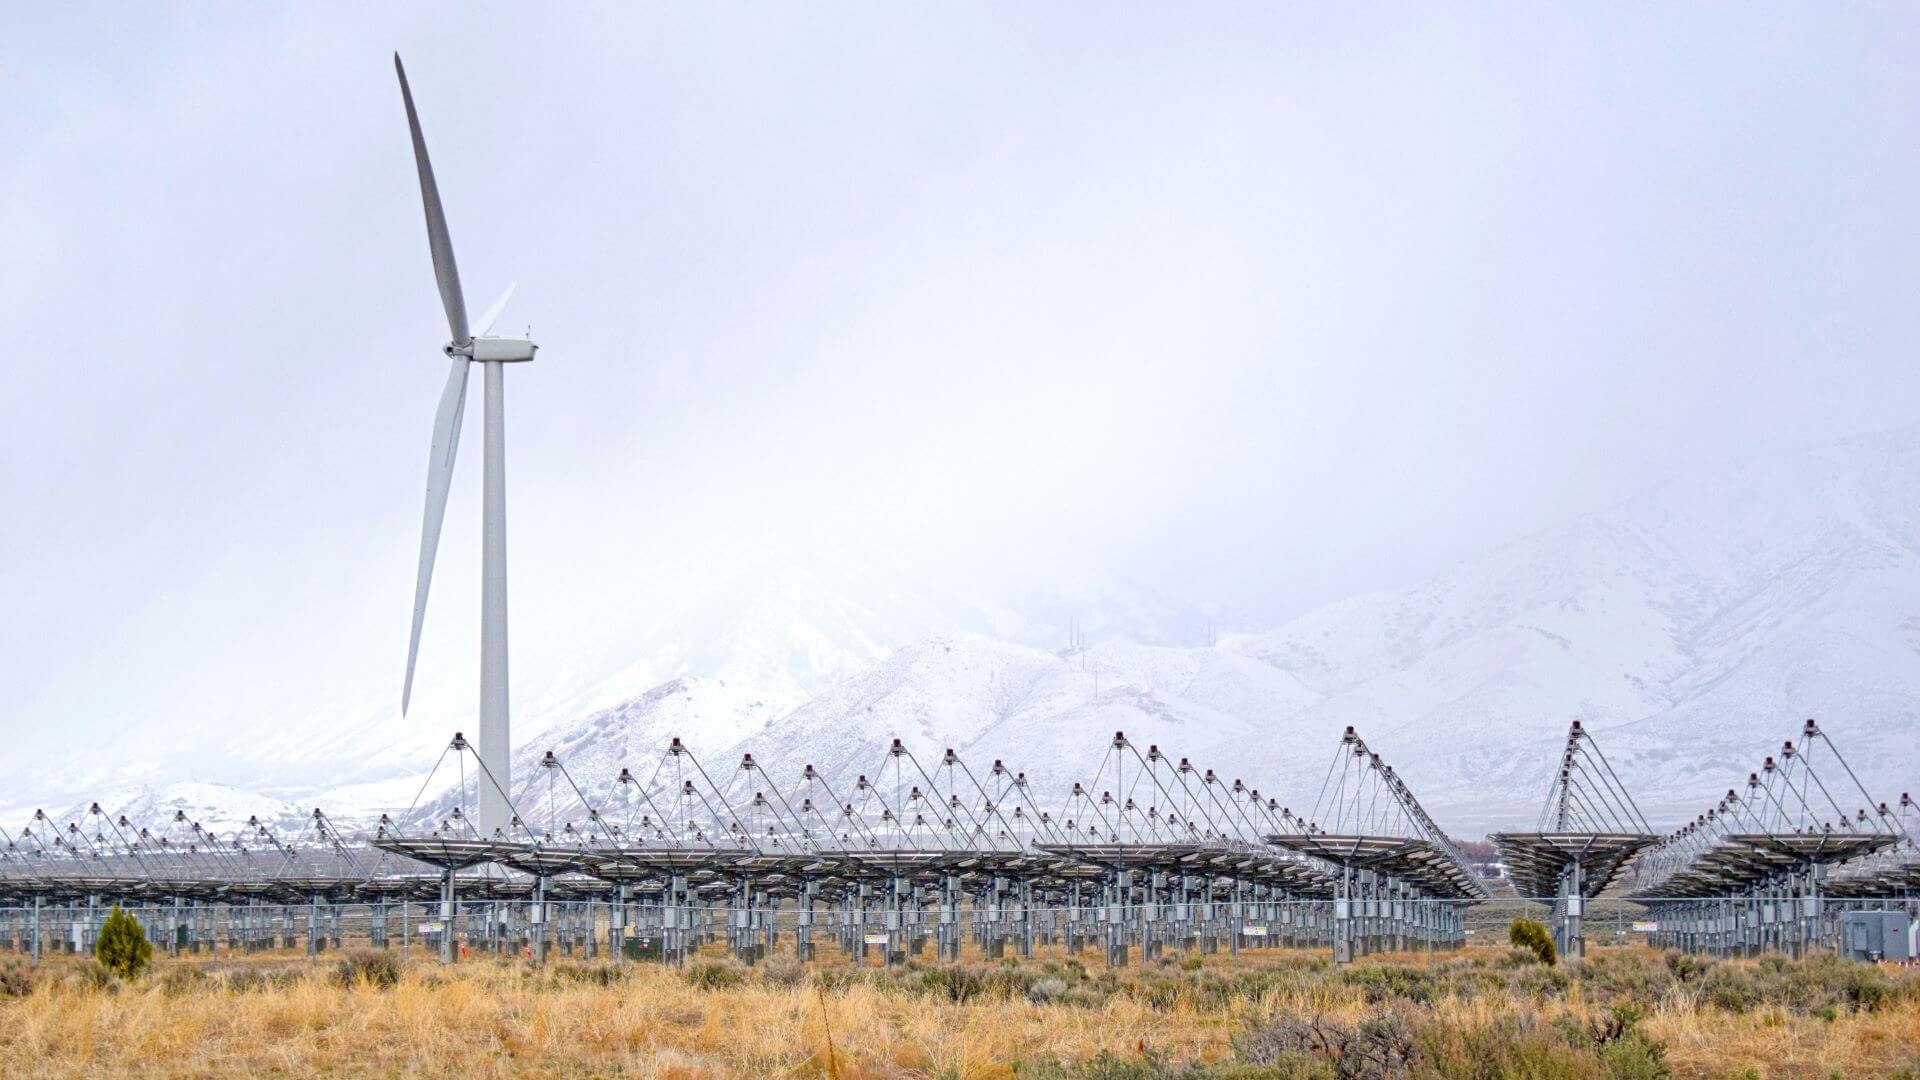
(495, 350)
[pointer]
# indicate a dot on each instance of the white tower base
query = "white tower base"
(495, 741)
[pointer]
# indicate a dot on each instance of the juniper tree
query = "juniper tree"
(123, 947)
(1533, 937)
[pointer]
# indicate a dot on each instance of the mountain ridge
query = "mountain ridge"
(1692, 627)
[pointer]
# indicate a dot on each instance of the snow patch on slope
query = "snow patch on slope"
(217, 808)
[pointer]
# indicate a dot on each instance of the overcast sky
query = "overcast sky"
(1263, 305)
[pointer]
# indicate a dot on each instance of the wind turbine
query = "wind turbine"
(469, 347)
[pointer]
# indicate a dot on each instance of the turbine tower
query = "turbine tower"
(466, 348)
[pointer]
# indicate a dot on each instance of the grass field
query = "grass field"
(1486, 1013)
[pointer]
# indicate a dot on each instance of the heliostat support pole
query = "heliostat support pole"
(1573, 903)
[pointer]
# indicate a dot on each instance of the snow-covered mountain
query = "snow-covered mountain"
(707, 713)
(1691, 629)
(770, 639)
(1048, 714)
(785, 630)
(217, 808)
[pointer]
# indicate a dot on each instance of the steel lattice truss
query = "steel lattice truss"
(904, 820)
(673, 823)
(1789, 820)
(1373, 822)
(99, 855)
(1894, 870)
(1588, 830)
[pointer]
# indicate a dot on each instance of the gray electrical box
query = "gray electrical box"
(1876, 935)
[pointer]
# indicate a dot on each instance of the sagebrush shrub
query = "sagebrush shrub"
(180, 981)
(1380, 1045)
(1631, 977)
(783, 971)
(1686, 966)
(1542, 983)
(1391, 982)
(243, 981)
(92, 979)
(1047, 989)
(589, 974)
(375, 967)
(16, 979)
(956, 984)
(715, 976)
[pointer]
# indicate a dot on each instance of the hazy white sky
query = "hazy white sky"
(1263, 304)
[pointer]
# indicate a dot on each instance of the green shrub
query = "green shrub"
(374, 967)
(1615, 1040)
(1156, 991)
(255, 979)
(957, 984)
(92, 978)
(1502, 1047)
(836, 979)
(783, 971)
(1687, 967)
(1542, 983)
(243, 981)
(1735, 988)
(1635, 1058)
(180, 981)
(1390, 982)
(1821, 986)
(1828, 979)
(1070, 969)
(1629, 977)
(1153, 1065)
(123, 948)
(715, 976)
(1381, 1045)
(588, 974)
(1047, 989)
(1533, 937)
(1515, 958)
(16, 979)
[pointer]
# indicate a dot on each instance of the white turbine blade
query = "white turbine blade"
(446, 442)
(493, 313)
(444, 271)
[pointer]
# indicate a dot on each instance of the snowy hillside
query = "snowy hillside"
(1691, 628)
(779, 633)
(217, 808)
(785, 631)
(1050, 715)
(707, 713)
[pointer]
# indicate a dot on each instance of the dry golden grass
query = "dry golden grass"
(489, 1019)
(197, 1018)
(1776, 1043)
